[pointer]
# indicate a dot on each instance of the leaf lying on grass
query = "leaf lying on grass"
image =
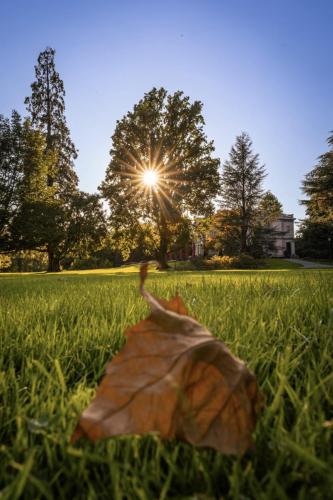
(173, 377)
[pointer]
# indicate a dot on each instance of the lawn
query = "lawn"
(58, 332)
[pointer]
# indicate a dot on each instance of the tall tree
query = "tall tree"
(242, 190)
(315, 234)
(318, 186)
(314, 239)
(161, 169)
(46, 106)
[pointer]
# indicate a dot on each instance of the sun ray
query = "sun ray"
(150, 178)
(155, 176)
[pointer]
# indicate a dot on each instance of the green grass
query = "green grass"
(263, 264)
(280, 264)
(59, 331)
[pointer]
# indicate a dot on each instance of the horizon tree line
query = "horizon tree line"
(43, 210)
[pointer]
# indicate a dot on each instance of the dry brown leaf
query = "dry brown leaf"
(173, 377)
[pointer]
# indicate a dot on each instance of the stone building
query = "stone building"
(198, 247)
(284, 236)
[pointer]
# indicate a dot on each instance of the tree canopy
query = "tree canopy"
(11, 149)
(316, 231)
(163, 134)
(318, 186)
(270, 208)
(46, 106)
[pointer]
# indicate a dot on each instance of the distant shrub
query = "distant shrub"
(224, 262)
(198, 263)
(28, 261)
(245, 261)
(90, 263)
(5, 262)
(242, 261)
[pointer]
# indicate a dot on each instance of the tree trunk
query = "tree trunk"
(53, 263)
(243, 239)
(162, 251)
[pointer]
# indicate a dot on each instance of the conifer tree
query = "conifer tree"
(315, 234)
(46, 106)
(318, 186)
(242, 189)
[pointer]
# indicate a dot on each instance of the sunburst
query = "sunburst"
(154, 177)
(150, 178)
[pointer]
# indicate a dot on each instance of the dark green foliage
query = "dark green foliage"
(318, 186)
(47, 109)
(85, 226)
(11, 171)
(269, 208)
(317, 228)
(24, 168)
(262, 235)
(312, 239)
(242, 187)
(42, 220)
(27, 261)
(226, 231)
(164, 132)
(261, 241)
(71, 230)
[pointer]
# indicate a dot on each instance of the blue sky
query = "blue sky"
(265, 67)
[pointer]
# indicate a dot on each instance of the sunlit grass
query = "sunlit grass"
(58, 332)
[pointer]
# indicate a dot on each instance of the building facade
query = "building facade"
(282, 237)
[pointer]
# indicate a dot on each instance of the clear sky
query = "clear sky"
(262, 66)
